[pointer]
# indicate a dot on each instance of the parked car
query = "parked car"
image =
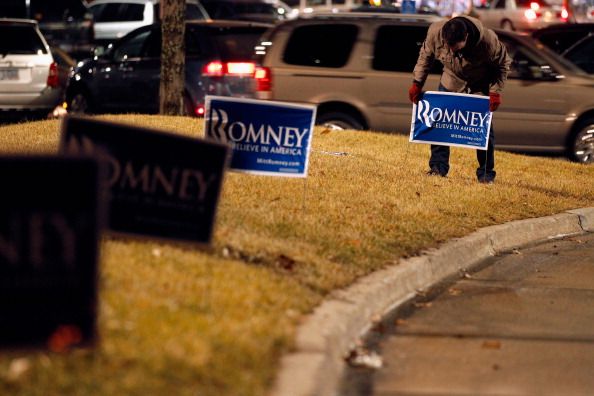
(524, 15)
(581, 54)
(127, 77)
(269, 11)
(30, 79)
(560, 37)
(357, 69)
(66, 24)
(115, 18)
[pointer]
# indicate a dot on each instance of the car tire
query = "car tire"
(582, 143)
(79, 103)
(507, 25)
(338, 121)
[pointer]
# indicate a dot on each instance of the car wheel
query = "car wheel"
(338, 121)
(507, 25)
(79, 103)
(582, 145)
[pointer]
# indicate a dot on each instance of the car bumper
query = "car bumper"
(46, 100)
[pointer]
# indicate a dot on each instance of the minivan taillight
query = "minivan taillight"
(262, 75)
(263, 78)
(52, 78)
(220, 69)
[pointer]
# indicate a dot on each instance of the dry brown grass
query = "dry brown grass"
(185, 322)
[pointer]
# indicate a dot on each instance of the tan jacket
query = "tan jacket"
(483, 69)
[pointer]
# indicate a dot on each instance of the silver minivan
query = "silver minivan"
(29, 77)
(358, 67)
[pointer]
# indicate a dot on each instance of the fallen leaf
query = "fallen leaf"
(286, 262)
(355, 242)
(361, 357)
(18, 367)
(63, 338)
(454, 292)
(491, 344)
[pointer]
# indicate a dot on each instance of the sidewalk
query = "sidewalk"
(322, 342)
(523, 325)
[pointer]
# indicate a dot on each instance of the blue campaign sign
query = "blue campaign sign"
(451, 119)
(267, 137)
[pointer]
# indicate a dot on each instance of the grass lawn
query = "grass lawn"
(184, 322)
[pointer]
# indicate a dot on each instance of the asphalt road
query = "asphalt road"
(523, 324)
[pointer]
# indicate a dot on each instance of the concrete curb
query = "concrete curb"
(322, 342)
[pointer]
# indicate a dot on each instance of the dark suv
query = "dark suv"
(127, 77)
(65, 24)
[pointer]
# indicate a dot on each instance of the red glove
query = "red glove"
(494, 101)
(414, 93)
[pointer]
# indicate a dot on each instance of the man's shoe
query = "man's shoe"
(486, 180)
(436, 172)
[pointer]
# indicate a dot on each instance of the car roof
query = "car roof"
(227, 23)
(563, 27)
(96, 2)
(428, 18)
(245, 1)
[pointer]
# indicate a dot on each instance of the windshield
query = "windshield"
(23, 40)
(234, 43)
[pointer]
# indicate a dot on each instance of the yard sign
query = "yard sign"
(451, 119)
(267, 138)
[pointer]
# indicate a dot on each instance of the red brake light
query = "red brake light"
(262, 75)
(52, 78)
(214, 69)
(564, 14)
(199, 110)
(263, 78)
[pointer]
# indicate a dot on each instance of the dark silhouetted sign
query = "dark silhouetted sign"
(49, 211)
(160, 184)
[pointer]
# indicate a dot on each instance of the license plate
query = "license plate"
(9, 74)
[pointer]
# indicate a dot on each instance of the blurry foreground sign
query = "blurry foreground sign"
(268, 138)
(160, 185)
(49, 211)
(451, 119)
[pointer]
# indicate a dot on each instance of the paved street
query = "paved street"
(522, 325)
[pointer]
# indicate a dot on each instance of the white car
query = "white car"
(114, 19)
(522, 15)
(29, 76)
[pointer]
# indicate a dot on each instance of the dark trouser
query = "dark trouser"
(440, 157)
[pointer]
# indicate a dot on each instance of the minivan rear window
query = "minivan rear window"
(327, 45)
(232, 43)
(23, 40)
